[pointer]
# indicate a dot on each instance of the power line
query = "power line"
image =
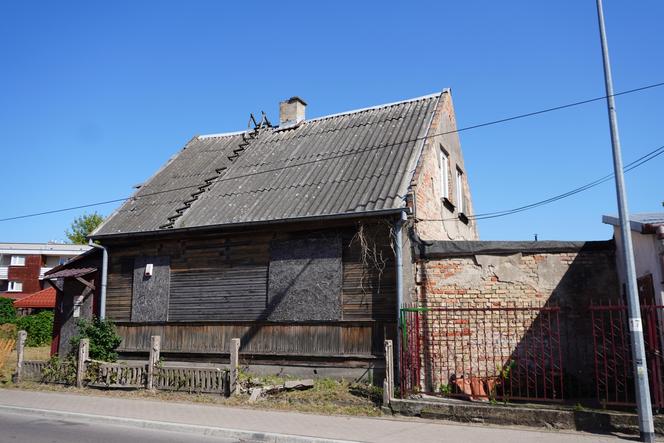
(630, 166)
(372, 148)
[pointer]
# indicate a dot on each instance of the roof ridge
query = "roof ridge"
(338, 114)
(371, 108)
(220, 134)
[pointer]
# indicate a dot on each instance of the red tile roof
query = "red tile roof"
(42, 299)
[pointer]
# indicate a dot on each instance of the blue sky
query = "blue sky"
(95, 96)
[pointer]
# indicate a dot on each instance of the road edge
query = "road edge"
(240, 434)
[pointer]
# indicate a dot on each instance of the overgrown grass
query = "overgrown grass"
(328, 396)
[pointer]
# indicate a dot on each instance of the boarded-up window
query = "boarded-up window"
(305, 279)
(222, 293)
(150, 292)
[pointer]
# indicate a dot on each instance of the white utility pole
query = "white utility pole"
(642, 388)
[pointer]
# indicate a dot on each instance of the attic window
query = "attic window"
(444, 174)
(459, 191)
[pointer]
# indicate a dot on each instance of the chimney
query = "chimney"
(291, 111)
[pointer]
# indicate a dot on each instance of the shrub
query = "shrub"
(103, 336)
(7, 311)
(60, 370)
(38, 326)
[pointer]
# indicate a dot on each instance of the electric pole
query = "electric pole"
(642, 388)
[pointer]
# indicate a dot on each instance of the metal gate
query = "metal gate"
(501, 353)
(614, 376)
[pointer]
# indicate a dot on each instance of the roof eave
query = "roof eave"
(341, 216)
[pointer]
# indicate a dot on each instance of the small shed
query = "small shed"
(648, 244)
(76, 286)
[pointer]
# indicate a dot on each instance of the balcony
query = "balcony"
(43, 270)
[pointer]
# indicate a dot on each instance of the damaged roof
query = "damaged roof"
(344, 164)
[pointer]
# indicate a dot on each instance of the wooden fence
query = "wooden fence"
(129, 375)
(33, 370)
(206, 380)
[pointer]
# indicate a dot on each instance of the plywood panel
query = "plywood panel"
(305, 278)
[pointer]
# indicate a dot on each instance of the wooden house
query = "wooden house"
(294, 238)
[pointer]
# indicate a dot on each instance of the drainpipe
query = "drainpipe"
(104, 278)
(398, 252)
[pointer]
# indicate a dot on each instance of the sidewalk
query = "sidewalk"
(201, 418)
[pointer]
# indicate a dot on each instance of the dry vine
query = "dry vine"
(371, 255)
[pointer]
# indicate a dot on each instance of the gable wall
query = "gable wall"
(437, 221)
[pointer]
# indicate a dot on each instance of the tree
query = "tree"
(82, 226)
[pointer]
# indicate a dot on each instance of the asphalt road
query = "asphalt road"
(16, 428)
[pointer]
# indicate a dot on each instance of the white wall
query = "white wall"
(647, 259)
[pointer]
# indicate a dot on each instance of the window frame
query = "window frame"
(459, 191)
(444, 165)
(11, 286)
(17, 262)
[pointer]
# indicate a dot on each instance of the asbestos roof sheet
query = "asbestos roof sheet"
(43, 299)
(350, 163)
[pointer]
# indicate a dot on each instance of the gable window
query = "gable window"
(15, 286)
(18, 260)
(444, 174)
(459, 191)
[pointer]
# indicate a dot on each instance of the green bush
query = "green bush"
(38, 326)
(60, 370)
(7, 311)
(103, 336)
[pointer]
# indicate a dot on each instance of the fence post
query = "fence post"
(155, 348)
(388, 383)
(83, 350)
(235, 364)
(20, 349)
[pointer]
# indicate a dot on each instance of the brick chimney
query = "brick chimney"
(291, 111)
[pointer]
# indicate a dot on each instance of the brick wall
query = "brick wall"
(436, 220)
(28, 275)
(486, 340)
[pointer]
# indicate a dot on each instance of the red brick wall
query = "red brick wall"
(569, 280)
(28, 275)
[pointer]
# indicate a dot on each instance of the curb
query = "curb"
(239, 434)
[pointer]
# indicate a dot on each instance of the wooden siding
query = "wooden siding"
(368, 282)
(224, 277)
(225, 293)
(119, 286)
(328, 339)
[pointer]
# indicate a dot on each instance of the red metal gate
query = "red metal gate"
(501, 353)
(614, 376)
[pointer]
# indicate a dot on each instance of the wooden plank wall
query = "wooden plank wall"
(223, 278)
(329, 339)
(369, 287)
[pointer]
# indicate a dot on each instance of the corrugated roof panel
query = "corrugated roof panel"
(347, 163)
